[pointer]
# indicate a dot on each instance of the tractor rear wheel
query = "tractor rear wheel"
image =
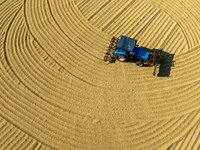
(121, 58)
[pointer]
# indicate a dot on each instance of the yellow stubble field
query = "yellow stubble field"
(56, 92)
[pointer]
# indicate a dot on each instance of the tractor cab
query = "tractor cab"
(126, 48)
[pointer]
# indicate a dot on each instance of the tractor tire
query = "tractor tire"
(121, 58)
(139, 63)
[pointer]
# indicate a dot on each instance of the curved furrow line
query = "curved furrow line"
(136, 24)
(158, 29)
(9, 21)
(73, 26)
(149, 81)
(196, 27)
(141, 138)
(75, 32)
(159, 26)
(184, 18)
(6, 14)
(81, 3)
(2, 1)
(173, 134)
(34, 73)
(133, 28)
(56, 77)
(53, 63)
(113, 29)
(33, 113)
(189, 141)
(8, 140)
(44, 128)
(136, 126)
(178, 107)
(168, 103)
(161, 134)
(74, 47)
(19, 32)
(187, 56)
(159, 100)
(85, 29)
(162, 85)
(188, 88)
(145, 130)
(88, 9)
(28, 64)
(89, 6)
(59, 79)
(106, 12)
(11, 137)
(77, 66)
(8, 67)
(96, 8)
(193, 8)
(65, 89)
(111, 14)
(57, 115)
(164, 105)
(48, 83)
(64, 145)
(41, 55)
(82, 22)
(6, 130)
(182, 22)
(19, 115)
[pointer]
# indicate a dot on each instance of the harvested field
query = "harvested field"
(56, 92)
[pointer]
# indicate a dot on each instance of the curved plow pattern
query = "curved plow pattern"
(57, 93)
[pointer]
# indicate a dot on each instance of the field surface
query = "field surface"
(56, 92)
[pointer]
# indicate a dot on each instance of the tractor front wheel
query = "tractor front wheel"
(139, 63)
(121, 58)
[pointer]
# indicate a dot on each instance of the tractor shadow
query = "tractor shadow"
(165, 62)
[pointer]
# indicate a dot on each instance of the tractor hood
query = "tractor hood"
(126, 43)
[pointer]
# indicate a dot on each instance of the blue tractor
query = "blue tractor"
(125, 49)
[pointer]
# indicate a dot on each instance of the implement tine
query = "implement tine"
(109, 55)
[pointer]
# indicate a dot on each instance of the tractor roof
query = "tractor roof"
(126, 43)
